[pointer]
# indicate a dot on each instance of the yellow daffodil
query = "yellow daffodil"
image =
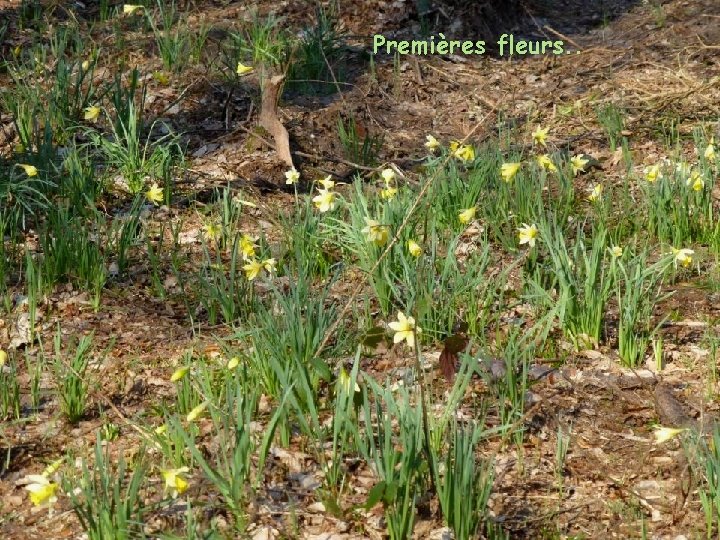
(710, 151)
(616, 251)
(129, 9)
(252, 269)
(327, 182)
(664, 434)
(540, 135)
(92, 112)
(247, 246)
(528, 234)
(467, 215)
(697, 181)
(509, 170)
(388, 176)
(212, 231)
(414, 248)
(325, 201)
(269, 265)
(376, 232)
(161, 430)
(30, 170)
(388, 193)
(292, 176)
(242, 69)
(698, 184)
(3, 358)
(41, 489)
(577, 164)
(653, 173)
(595, 193)
(233, 363)
(454, 145)
(179, 373)
(404, 329)
(154, 194)
(546, 163)
(431, 143)
(683, 256)
(85, 65)
(175, 481)
(464, 152)
(196, 412)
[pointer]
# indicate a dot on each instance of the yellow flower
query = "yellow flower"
(3, 358)
(179, 373)
(652, 173)
(595, 193)
(242, 69)
(292, 176)
(695, 181)
(325, 201)
(616, 251)
(30, 170)
(698, 184)
(196, 412)
(431, 143)
(388, 175)
(664, 434)
(252, 269)
(375, 232)
(414, 248)
(41, 489)
(464, 153)
(467, 215)
(710, 151)
(404, 329)
(546, 163)
(683, 256)
(247, 246)
(540, 135)
(92, 113)
(175, 481)
(129, 9)
(233, 363)
(85, 65)
(161, 430)
(269, 265)
(327, 183)
(213, 231)
(509, 170)
(577, 164)
(388, 193)
(454, 145)
(528, 234)
(154, 194)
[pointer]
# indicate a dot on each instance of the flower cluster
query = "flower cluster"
(325, 201)
(389, 190)
(253, 266)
